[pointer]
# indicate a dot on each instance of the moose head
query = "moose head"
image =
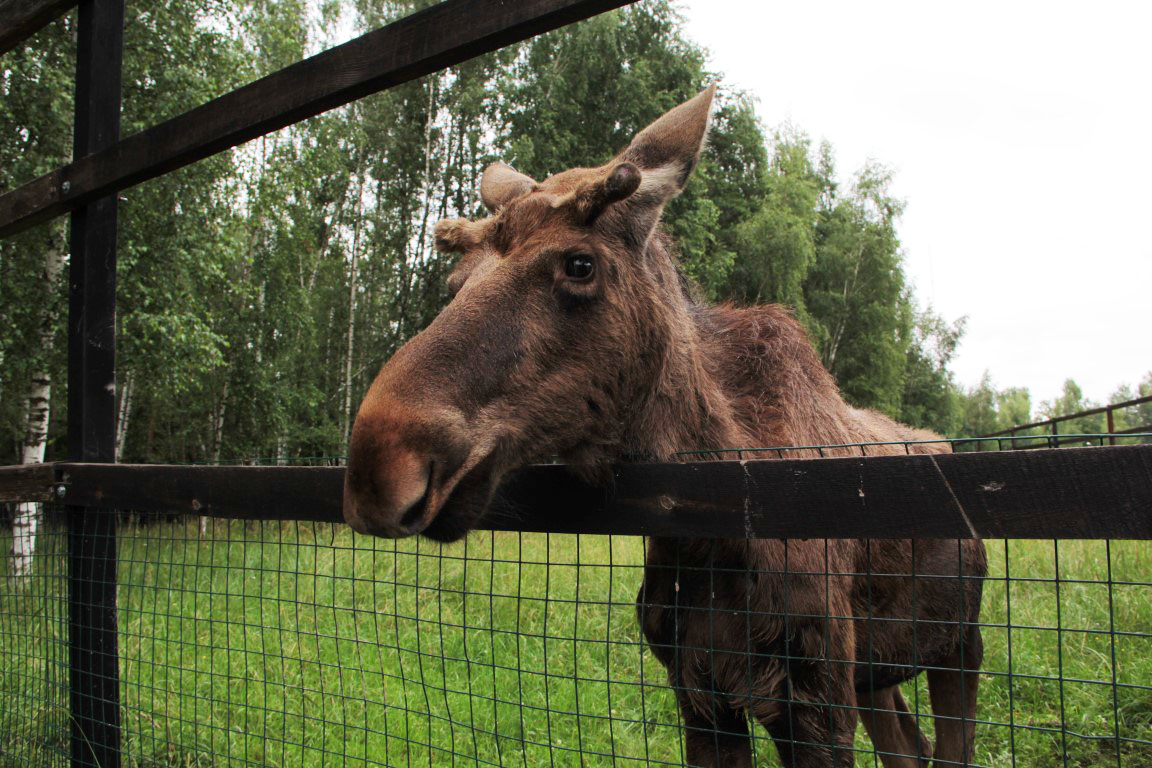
(568, 335)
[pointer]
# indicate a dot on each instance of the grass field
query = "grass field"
(302, 645)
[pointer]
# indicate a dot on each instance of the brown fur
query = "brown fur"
(528, 361)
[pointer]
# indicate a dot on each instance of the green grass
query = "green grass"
(304, 645)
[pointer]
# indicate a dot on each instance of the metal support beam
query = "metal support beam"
(95, 677)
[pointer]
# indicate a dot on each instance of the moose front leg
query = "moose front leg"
(715, 740)
(812, 715)
(894, 730)
(811, 734)
(715, 732)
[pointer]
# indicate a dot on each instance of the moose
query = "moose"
(572, 333)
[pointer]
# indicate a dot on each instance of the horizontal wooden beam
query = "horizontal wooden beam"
(238, 492)
(20, 19)
(27, 482)
(440, 36)
(1071, 493)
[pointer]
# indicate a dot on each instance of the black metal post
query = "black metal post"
(95, 675)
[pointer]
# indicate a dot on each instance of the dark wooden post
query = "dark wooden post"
(93, 655)
(1111, 426)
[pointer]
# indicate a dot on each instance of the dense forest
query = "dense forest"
(261, 289)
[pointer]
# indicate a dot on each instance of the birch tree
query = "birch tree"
(26, 522)
(35, 112)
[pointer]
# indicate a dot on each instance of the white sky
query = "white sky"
(1021, 138)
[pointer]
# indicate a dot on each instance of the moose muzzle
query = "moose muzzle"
(401, 469)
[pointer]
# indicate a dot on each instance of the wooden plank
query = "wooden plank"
(28, 482)
(240, 492)
(20, 19)
(817, 498)
(94, 668)
(1067, 493)
(1090, 493)
(445, 34)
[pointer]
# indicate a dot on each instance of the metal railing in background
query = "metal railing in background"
(1049, 429)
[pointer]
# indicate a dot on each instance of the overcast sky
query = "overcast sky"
(1021, 139)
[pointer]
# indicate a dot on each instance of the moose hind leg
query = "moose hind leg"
(893, 729)
(952, 686)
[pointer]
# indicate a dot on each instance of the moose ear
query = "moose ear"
(454, 235)
(501, 184)
(666, 152)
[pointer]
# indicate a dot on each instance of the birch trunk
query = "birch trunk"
(842, 325)
(27, 520)
(123, 411)
(218, 415)
(352, 285)
(427, 204)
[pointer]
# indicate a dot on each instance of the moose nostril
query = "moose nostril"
(403, 478)
(411, 518)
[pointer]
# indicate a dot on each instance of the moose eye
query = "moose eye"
(579, 266)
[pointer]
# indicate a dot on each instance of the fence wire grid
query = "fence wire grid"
(271, 643)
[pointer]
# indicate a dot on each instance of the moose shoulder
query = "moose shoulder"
(571, 334)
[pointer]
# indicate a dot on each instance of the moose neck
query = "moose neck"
(679, 403)
(730, 377)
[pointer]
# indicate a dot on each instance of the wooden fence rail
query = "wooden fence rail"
(440, 36)
(20, 19)
(1072, 493)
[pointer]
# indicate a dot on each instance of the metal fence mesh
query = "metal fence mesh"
(34, 719)
(304, 644)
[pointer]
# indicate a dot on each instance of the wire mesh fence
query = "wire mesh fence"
(34, 726)
(283, 643)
